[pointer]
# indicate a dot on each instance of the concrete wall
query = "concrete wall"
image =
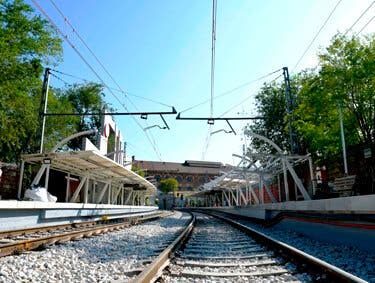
(28, 214)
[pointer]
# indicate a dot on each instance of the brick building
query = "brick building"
(8, 180)
(190, 174)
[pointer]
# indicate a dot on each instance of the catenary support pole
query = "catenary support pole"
(343, 140)
(43, 108)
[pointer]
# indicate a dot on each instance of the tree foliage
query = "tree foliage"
(138, 170)
(82, 99)
(26, 43)
(270, 103)
(346, 77)
(168, 185)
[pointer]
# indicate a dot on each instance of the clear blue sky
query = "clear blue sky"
(162, 50)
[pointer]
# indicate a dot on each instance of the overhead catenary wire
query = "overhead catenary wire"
(230, 91)
(244, 100)
(126, 93)
(365, 25)
(316, 35)
(359, 18)
(74, 30)
(213, 42)
(36, 3)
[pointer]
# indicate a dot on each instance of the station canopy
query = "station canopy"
(231, 180)
(92, 164)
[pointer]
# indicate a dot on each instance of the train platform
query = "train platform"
(353, 205)
(30, 214)
(346, 220)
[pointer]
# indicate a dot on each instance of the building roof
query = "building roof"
(188, 167)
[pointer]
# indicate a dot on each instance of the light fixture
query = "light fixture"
(144, 116)
(222, 130)
(154, 126)
(210, 121)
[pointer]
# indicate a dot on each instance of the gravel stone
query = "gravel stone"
(102, 258)
(349, 258)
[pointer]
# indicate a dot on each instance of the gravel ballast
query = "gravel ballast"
(113, 256)
(348, 258)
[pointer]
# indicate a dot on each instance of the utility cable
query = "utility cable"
(366, 25)
(92, 69)
(60, 79)
(244, 100)
(126, 93)
(100, 63)
(232, 90)
(317, 34)
(360, 17)
(213, 42)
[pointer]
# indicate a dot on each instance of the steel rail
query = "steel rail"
(150, 273)
(335, 273)
(34, 243)
(81, 224)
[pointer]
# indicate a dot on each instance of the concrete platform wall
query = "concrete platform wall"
(346, 220)
(28, 214)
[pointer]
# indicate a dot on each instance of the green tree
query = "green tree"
(345, 77)
(82, 99)
(27, 42)
(348, 68)
(138, 170)
(168, 185)
(270, 104)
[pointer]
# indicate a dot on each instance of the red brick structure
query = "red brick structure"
(190, 174)
(9, 180)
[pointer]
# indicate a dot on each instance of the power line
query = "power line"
(244, 100)
(366, 24)
(232, 90)
(74, 30)
(60, 79)
(360, 17)
(317, 34)
(213, 41)
(126, 93)
(92, 69)
(99, 62)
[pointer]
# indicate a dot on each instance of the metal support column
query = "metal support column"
(78, 190)
(343, 140)
(20, 181)
(101, 194)
(109, 194)
(86, 191)
(67, 190)
(279, 186)
(43, 108)
(261, 191)
(312, 176)
(46, 180)
(286, 186)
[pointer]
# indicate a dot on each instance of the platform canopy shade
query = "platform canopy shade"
(92, 164)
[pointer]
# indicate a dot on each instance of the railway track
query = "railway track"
(218, 249)
(18, 241)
